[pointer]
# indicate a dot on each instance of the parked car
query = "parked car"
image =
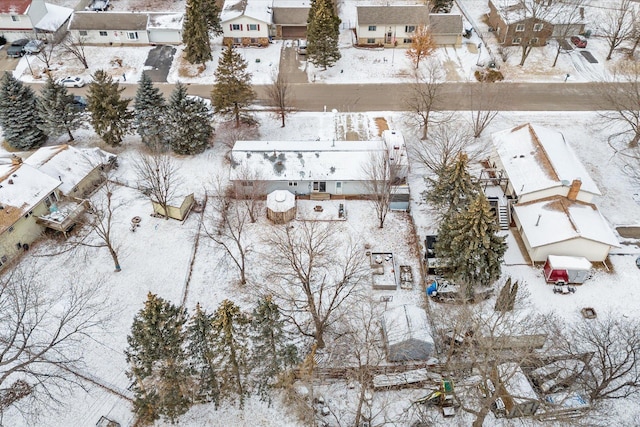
(33, 47)
(579, 41)
(80, 102)
(302, 47)
(197, 98)
(98, 5)
(16, 49)
(72, 81)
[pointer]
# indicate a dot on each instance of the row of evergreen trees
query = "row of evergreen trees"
(178, 360)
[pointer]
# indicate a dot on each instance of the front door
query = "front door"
(338, 187)
(320, 186)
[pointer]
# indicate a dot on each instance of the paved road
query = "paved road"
(455, 96)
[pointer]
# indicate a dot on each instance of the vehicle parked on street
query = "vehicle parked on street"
(71, 81)
(579, 41)
(16, 48)
(33, 47)
(79, 102)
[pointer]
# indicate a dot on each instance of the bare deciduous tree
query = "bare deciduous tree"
(623, 101)
(379, 183)
(100, 222)
(228, 227)
(313, 272)
(42, 325)
(572, 16)
(617, 25)
(279, 93)
(422, 102)
(483, 104)
(75, 46)
(158, 175)
(251, 196)
(228, 134)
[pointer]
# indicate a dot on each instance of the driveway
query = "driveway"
(291, 64)
(159, 59)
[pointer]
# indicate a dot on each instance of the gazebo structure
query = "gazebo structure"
(281, 206)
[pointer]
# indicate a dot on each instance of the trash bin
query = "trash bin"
(587, 33)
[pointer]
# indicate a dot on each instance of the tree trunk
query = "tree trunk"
(479, 421)
(611, 49)
(425, 128)
(359, 408)
(114, 256)
(634, 142)
(555, 60)
(70, 135)
(319, 334)
(236, 112)
(282, 116)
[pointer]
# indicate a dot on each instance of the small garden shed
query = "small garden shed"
(515, 391)
(407, 335)
(281, 206)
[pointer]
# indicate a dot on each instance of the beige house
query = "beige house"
(391, 26)
(246, 22)
(25, 194)
(290, 19)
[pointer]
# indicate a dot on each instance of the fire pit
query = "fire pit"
(588, 313)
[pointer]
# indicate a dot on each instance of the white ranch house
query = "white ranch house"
(21, 19)
(246, 22)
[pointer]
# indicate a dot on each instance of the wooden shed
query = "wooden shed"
(515, 391)
(281, 206)
(176, 212)
(407, 334)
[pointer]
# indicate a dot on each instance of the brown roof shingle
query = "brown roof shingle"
(106, 21)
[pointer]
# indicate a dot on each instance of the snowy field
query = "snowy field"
(156, 258)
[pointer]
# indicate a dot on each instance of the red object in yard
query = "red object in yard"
(567, 269)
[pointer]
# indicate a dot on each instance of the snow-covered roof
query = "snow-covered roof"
(17, 7)
(536, 158)
(516, 383)
(513, 11)
(256, 9)
(56, 16)
(22, 187)
(406, 322)
(557, 219)
(169, 21)
(66, 163)
(569, 262)
(281, 201)
(304, 160)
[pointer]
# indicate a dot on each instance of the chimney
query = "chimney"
(574, 189)
(16, 160)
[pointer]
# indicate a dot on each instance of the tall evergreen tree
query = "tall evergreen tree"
(231, 349)
(157, 361)
(272, 354)
(56, 110)
(232, 92)
(469, 241)
(18, 114)
(211, 12)
(195, 31)
(323, 32)
(454, 188)
(110, 116)
(150, 114)
(201, 356)
(189, 122)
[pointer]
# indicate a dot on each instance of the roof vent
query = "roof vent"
(10, 181)
(15, 176)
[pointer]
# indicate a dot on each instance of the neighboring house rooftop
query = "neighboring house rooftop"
(172, 21)
(291, 15)
(66, 163)
(513, 11)
(537, 158)
(303, 160)
(14, 7)
(445, 23)
(56, 17)
(557, 219)
(22, 187)
(106, 21)
(393, 15)
(256, 9)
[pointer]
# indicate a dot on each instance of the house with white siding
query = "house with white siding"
(21, 19)
(246, 22)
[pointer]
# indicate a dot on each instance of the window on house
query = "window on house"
(235, 27)
(407, 41)
(293, 184)
(253, 41)
(102, 33)
(132, 35)
(409, 28)
(320, 186)
(534, 41)
(372, 27)
(83, 33)
(538, 27)
(519, 28)
(254, 27)
(371, 41)
(517, 40)
(14, 18)
(247, 183)
(237, 40)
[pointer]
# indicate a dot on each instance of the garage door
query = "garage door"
(292, 33)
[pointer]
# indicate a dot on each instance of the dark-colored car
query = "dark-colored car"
(79, 102)
(579, 41)
(16, 48)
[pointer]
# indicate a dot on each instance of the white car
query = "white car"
(72, 81)
(33, 47)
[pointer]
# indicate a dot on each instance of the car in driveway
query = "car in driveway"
(579, 41)
(71, 81)
(33, 47)
(16, 48)
(79, 102)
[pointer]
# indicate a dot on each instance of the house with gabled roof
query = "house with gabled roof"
(246, 22)
(21, 19)
(290, 19)
(394, 25)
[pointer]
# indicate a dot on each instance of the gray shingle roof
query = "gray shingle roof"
(106, 21)
(290, 15)
(445, 23)
(393, 15)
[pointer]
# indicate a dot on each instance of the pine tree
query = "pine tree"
(56, 110)
(18, 114)
(231, 349)
(201, 356)
(195, 32)
(211, 12)
(157, 361)
(502, 301)
(454, 188)
(271, 352)
(110, 117)
(468, 240)
(150, 114)
(232, 92)
(323, 32)
(189, 122)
